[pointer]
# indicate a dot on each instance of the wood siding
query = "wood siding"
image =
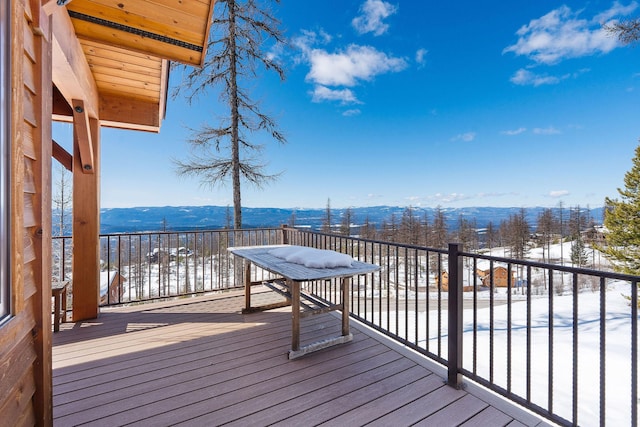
(25, 341)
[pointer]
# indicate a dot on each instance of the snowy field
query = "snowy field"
(617, 354)
(617, 339)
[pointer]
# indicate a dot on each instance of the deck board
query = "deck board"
(200, 361)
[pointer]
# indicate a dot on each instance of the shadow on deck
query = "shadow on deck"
(200, 362)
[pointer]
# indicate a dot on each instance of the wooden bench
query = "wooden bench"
(59, 294)
(292, 275)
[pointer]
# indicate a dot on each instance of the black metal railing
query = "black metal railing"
(140, 267)
(558, 340)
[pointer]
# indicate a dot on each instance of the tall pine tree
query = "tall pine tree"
(622, 220)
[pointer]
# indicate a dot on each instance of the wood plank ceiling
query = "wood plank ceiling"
(127, 45)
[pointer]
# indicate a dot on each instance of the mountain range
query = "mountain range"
(184, 218)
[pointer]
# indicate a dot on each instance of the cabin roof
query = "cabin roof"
(127, 45)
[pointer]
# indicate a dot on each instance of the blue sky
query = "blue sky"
(417, 103)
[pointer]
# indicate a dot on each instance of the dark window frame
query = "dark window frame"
(5, 160)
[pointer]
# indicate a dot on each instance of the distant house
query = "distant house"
(172, 253)
(111, 286)
(500, 277)
(444, 283)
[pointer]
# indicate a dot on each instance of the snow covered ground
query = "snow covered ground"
(493, 361)
(617, 337)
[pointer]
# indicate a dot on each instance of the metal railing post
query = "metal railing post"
(454, 357)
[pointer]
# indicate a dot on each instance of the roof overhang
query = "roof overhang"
(114, 55)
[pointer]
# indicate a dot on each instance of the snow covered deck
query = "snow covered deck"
(199, 361)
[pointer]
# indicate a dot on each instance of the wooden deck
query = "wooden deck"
(200, 362)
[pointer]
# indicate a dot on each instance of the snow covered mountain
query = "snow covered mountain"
(181, 218)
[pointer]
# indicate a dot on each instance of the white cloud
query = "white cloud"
(421, 57)
(323, 93)
(347, 68)
(352, 112)
(514, 131)
(450, 198)
(309, 38)
(332, 73)
(466, 137)
(546, 131)
(558, 193)
(561, 34)
(372, 14)
(525, 78)
(616, 10)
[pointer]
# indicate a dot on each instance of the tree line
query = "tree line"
(516, 233)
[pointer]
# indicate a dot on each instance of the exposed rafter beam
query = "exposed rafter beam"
(71, 73)
(83, 134)
(129, 114)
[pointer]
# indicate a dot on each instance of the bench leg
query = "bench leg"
(294, 288)
(346, 305)
(64, 305)
(56, 312)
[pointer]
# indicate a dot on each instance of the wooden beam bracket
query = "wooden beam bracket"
(82, 130)
(62, 156)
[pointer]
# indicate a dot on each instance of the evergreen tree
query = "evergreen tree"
(622, 220)
(579, 256)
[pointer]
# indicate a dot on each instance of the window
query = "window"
(5, 160)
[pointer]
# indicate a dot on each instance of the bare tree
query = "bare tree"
(326, 222)
(368, 230)
(467, 233)
(62, 199)
(628, 32)
(409, 227)
(516, 232)
(440, 230)
(544, 230)
(492, 238)
(345, 224)
(61, 203)
(235, 50)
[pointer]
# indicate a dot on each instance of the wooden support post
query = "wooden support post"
(86, 230)
(41, 30)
